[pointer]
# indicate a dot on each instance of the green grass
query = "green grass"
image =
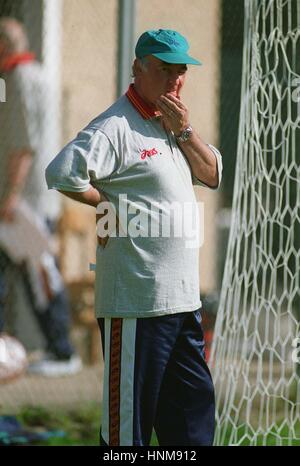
(81, 424)
(245, 436)
(81, 427)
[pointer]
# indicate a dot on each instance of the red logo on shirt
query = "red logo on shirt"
(148, 153)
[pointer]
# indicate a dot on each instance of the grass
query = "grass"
(245, 436)
(81, 427)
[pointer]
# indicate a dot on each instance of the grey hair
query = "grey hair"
(13, 33)
(144, 64)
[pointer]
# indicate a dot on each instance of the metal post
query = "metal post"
(51, 55)
(126, 42)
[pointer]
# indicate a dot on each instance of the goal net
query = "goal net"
(256, 355)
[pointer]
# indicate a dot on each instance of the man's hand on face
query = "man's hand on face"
(175, 114)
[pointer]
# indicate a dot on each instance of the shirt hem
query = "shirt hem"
(71, 189)
(152, 313)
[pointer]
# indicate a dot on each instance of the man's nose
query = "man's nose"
(174, 78)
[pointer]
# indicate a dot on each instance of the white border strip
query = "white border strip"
(127, 381)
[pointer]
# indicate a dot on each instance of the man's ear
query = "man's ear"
(136, 67)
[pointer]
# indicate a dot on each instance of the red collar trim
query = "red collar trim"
(140, 105)
(17, 59)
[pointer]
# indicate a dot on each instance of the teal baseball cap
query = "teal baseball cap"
(165, 44)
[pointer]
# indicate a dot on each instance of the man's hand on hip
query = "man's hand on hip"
(102, 240)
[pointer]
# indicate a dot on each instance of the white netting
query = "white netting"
(255, 359)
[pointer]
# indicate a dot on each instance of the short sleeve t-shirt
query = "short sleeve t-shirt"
(14, 128)
(144, 174)
(26, 124)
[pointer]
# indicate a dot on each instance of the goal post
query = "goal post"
(255, 356)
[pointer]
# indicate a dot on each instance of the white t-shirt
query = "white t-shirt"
(135, 160)
(25, 123)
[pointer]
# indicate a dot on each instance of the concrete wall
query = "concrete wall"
(89, 56)
(89, 66)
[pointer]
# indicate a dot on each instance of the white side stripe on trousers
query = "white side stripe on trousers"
(118, 382)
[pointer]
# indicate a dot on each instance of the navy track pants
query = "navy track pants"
(155, 376)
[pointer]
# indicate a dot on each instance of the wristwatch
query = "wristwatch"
(185, 135)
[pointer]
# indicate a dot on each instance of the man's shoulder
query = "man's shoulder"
(114, 119)
(26, 88)
(29, 71)
(31, 80)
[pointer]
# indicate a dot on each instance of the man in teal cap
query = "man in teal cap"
(142, 155)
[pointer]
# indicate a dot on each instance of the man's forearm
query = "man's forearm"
(202, 160)
(19, 163)
(91, 197)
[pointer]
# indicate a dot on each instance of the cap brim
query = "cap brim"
(177, 58)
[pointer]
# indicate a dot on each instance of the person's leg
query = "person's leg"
(136, 354)
(4, 264)
(54, 320)
(7, 271)
(186, 407)
(11, 366)
(56, 326)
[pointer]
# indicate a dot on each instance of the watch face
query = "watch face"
(186, 134)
